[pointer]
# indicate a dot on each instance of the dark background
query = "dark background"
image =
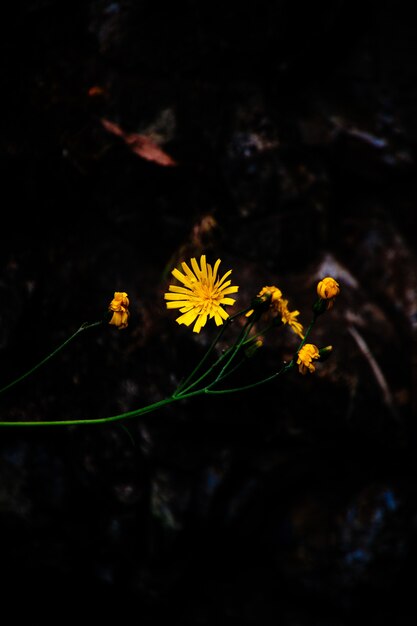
(292, 132)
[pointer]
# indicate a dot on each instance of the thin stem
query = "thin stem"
(308, 331)
(259, 334)
(227, 323)
(251, 385)
(107, 420)
(100, 420)
(52, 354)
(184, 390)
(228, 373)
(303, 341)
(183, 386)
(239, 342)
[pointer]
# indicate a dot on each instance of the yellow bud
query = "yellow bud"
(119, 307)
(328, 288)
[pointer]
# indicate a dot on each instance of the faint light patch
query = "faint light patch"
(211, 479)
(30, 286)
(14, 495)
(169, 500)
(241, 499)
(131, 387)
(114, 530)
(146, 443)
(376, 142)
(15, 455)
(329, 266)
(127, 493)
(105, 573)
(358, 556)
(163, 128)
(365, 522)
(130, 392)
(112, 9)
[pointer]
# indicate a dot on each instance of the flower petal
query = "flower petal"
(187, 319)
(229, 301)
(188, 272)
(181, 277)
(223, 278)
(177, 304)
(178, 289)
(215, 269)
(229, 290)
(200, 322)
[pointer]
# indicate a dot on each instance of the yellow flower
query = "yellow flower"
(272, 296)
(268, 296)
(306, 355)
(327, 289)
(289, 317)
(203, 294)
(271, 292)
(119, 306)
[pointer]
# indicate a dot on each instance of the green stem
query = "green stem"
(183, 386)
(303, 341)
(308, 331)
(239, 342)
(183, 391)
(100, 420)
(283, 370)
(245, 387)
(52, 354)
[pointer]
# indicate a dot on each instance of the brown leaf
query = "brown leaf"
(142, 145)
(112, 127)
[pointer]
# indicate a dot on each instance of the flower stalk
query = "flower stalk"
(83, 327)
(202, 297)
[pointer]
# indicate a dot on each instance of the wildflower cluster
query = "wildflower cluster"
(201, 294)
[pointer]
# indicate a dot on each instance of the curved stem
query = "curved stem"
(251, 385)
(100, 420)
(259, 333)
(308, 331)
(182, 392)
(183, 386)
(239, 342)
(304, 340)
(83, 326)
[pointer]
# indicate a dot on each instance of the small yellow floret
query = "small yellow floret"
(306, 355)
(119, 306)
(328, 288)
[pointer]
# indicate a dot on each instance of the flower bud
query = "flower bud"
(253, 348)
(327, 290)
(324, 353)
(119, 307)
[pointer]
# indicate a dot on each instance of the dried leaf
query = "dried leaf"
(96, 90)
(142, 145)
